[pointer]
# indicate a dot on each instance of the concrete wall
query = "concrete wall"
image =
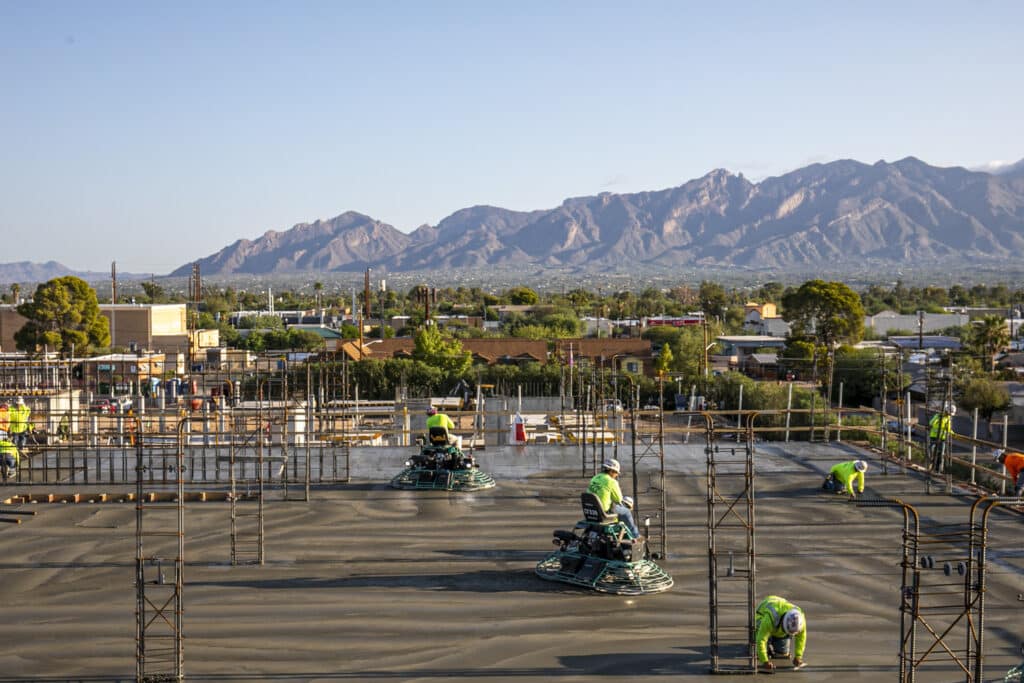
(169, 319)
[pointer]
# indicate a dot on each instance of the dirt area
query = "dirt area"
(366, 583)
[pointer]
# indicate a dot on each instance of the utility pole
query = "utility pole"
(113, 308)
(704, 359)
(366, 294)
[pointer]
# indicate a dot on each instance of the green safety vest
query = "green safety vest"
(768, 617)
(8, 448)
(606, 489)
(846, 474)
(18, 418)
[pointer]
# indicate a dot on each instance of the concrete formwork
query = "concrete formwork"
(364, 582)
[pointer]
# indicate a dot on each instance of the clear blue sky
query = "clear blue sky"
(155, 133)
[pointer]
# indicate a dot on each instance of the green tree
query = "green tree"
(988, 337)
(433, 348)
(713, 299)
(305, 340)
(859, 372)
(828, 311)
(660, 335)
(522, 296)
(688, 352)
(154, 292)
(664, 361)
(985, 395)
(62, 314)
(562, 324)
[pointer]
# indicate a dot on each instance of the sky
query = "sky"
(154, 134)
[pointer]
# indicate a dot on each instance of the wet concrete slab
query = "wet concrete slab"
(368, 583)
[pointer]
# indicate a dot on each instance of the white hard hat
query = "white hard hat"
(793, 621)
(628, 501)
(3, 434)
(997, 454)
(20, 401)
(860, 466)
(952, 410)
(611, 465)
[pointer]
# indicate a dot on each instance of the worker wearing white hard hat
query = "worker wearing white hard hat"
(18, 416)
(776, 621)
(940, 426)
(844, 476)
(605, 486)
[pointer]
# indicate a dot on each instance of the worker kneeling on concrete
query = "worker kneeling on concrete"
(776, 622)
(842, 477)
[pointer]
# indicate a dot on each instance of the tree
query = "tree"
(154, 292)
(522, 296)
(988, 337)
(713, 299)
(664, 361)
(829, 311)
(63, 314)
(985, 395)
(433, 348)
(858, 372)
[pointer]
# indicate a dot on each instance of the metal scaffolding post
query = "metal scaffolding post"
(944, 590)
(730, 523)
(939, 398)
(159, 652)
(653, 446)
(247, 477)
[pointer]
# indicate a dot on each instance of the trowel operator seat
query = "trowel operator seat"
(438, 436)
(592, 511)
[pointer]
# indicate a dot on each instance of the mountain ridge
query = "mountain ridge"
(839, 213)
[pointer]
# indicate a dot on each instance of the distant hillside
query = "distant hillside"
(24, 271)
(350, 241)
(841, 213)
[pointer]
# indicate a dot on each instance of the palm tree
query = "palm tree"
(989, 337)
(318, 287)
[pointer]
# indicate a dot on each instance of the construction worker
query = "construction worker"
(605, 486)
(939, 428)
(1014, 464)
(9, 456)
(5, 416)
(776, 620)
(18, 417)
(438, 419)
(842, 476)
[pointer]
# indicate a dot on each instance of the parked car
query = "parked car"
(104, 406)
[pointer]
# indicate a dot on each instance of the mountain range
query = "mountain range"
(843, 212)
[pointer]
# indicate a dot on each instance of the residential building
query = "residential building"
(885, 321)
(763, 319)
(736, 349)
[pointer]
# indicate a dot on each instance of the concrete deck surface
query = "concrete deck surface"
(366, 583)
